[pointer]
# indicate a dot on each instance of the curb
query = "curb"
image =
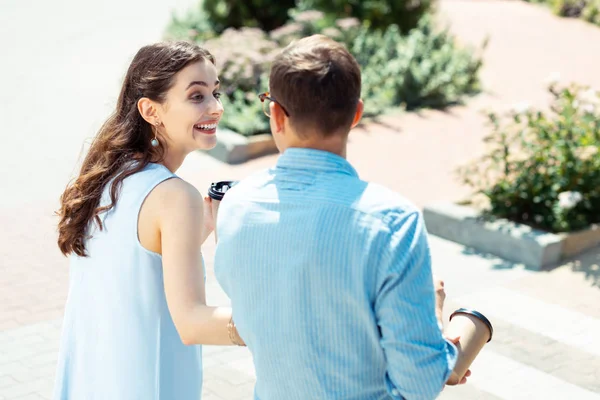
(509, 240)
(233, 148)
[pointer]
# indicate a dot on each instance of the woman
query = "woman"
(136, 307)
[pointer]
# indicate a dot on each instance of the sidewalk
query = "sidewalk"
(531, 357)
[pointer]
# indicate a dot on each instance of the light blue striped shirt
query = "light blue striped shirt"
(331, 284)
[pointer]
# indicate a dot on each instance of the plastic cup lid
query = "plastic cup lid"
(217, 189)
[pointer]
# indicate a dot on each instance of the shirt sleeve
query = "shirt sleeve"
(419, 359)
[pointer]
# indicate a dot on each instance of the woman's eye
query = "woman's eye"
(197, 97)
(217, 95)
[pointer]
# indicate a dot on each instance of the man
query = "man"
(329, 276)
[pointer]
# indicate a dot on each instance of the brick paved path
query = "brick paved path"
(61, 76)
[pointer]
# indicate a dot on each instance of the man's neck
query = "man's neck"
(335, 144)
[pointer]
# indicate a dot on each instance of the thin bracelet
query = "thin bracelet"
(233, 333)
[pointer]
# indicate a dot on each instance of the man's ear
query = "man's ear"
(148, 110)
(278, 116)
(360, 107)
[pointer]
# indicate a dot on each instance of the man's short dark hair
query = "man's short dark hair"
(318, 82)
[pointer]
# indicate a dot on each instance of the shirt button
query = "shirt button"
(395, 392)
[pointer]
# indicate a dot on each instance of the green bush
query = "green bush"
(588, 10)
(243, 113)
(591, 12)
(243, 56)
(212, 17)
(568, 8)
(244, 59)
(423, 69)
(543, 168)
(307, 23)
(379, 14)
(264, 14)
(192, 25)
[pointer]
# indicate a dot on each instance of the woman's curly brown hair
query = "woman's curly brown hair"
(122, 147)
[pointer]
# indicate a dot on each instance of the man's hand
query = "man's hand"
(440, 297)
(468, 373)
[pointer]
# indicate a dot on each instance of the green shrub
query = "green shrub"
(422, 69)
(588, 10)
(379, 14)
(244, 114)
(543, 168)
(307, 23)
(591, 12)
(264, 14)
(425, 68)
(568, 8)
(192, 25)
(243, 56)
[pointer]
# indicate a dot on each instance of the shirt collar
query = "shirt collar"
(313, 159)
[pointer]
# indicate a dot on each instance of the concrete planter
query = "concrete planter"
(509, 240)
(234, 148)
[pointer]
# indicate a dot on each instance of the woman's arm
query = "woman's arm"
(181, 231)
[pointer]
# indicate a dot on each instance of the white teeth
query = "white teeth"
(206, 127)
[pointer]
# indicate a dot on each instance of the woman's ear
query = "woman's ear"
(148, 110)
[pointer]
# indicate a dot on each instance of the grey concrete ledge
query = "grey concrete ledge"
(509, 240)
(234, 148)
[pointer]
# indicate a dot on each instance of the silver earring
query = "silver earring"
(154, 141)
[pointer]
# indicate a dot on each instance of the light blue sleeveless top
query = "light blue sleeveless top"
(119, 341)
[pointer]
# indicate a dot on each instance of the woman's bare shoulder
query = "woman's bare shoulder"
(174, 198)
(173, 207)
(177, 191)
